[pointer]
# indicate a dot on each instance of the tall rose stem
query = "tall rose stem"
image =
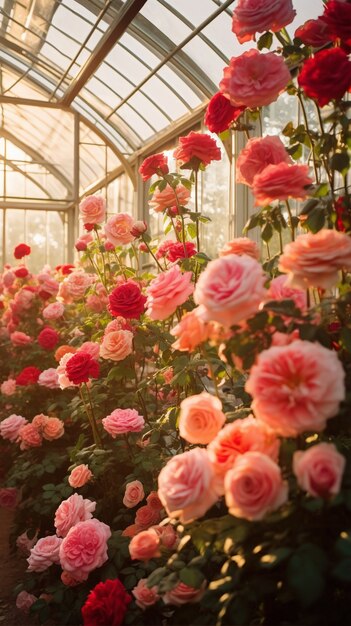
(152, 254)
(292, 227)
(104, 282)
(93, 417)
(91, 420)
(213, 376)
(309, 135)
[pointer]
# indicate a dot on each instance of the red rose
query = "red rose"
(127, 301)
(106, 604)
(81, 367)
(314, 33)
(343, 214)
(154, 164)
(21, 250)
(67, 269)
(220, 113)
(28, 376)
(89, 227)
(176, 251)
(326, 76)
(337, 17)
(21, 272)
(48, 338)
(197, 148)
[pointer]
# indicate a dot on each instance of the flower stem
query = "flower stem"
(152, 254)
(292, 227)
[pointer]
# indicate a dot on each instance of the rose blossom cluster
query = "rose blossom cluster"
(17, 429)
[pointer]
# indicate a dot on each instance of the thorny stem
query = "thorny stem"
(152, 254)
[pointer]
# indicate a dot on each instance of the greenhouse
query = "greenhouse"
(175, 312)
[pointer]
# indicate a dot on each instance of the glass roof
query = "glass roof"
(129, 67)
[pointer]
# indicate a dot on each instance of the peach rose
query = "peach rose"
(147, 516)
(117, 345)
(119, 323)
(39, 421)
(145, 545)
(190, 332)
(29, 437)
(68, 580)
(134, 494)
(257, 154)
(122, 421)
(92, 210)
(167, 198)
(8, 387)
(145, 596)
(77, 283)
(53, 311)
(183, 594)
(254, 79)
(280, 182)
(25, 600)
(62, 350)
(240, 246)
(20, 339)
(10, 427)
(279, 289)
(49, 378)
(201, 418)
(71, 511)
(254, 487)
(258, 16)
(319, 470)
(44, 553)
(117, 229)
(8, 497)
(243, 435)
(131, 530)
(168, 536)
(224, 286)
(314, 260)
(53, 429)
(79, 476)
(167, 291)
(187, 485)
(84, 548)
(297, 387)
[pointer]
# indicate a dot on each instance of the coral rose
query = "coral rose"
(169, 197)
(257, 154)
(326, 76)
(145, 545)
(80, 367)
(8, 387)
(224, 286)
(122, 421)
(314, 33)
(71, 511)
(258, 16)
(8, 497)
(84, 548)
(254, 487)
(62, 350)
(79, 476)
(49, 378)
(10, 427)
(21, 250)
(297, 387)
(280, 182)
(187, 485)
(20, 339)
(168, 291)
(92, 210)
(127, 301)
(279, 289)
(201, 418)
(117, 229)
(147, 516)
(53, 429)
(319, 470)
(154, 164)
(154, 501)
(197, 149)
(254, 79)
(24, 601)
(314, 260)
(191, 331)
(183, 594)
(29, 437)
(77, 283)
(117, 345)
(44, 553)
(240, 246)
(220, 113)
(53, 311)
(145, 596)
(133, 494)
(106, 604)
(48, 338)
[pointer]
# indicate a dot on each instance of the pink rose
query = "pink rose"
(258, 153)
(79, 476)
(168, 291)
(20, 339)
(53, 429)
(201, 418)
(117, 345)
(314, 260)
(120, 323)
(134, 494)
(296, 388)
(123, 421)
(187, 485)
(319, 470)
(147, 516)
(10, 427)
(29, 436)
(84, 548)
(118, 227)
(77, 283)
(254, 487)
(240, 246)
(83, 241)
(53, 311)
(49, 378)
(280, 182)
(8, 387)
(242, 436)
(48, 287)
(71, 511)
(183, 594)
(191, 331)
(44, 553)
(257, 16)
(254, 79)
(145, 596)
(25, 600)
(168, 197)
(92, 210)
(95, 303)
(90, 347)
(8, 497)
(168, 536)
(224, 286)
(145, 545)
(279, 289)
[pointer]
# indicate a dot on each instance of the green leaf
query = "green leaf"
(343, 570)
(274, 557)
(306, 573)
(191, 576)
(315, 219)
(340, 162)
(265, 41)
(267, 232)
(345, 338)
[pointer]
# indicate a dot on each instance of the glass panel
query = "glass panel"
(56, 233)
(215, 205)
(14, 231)
(1, 233)
(165, 21)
